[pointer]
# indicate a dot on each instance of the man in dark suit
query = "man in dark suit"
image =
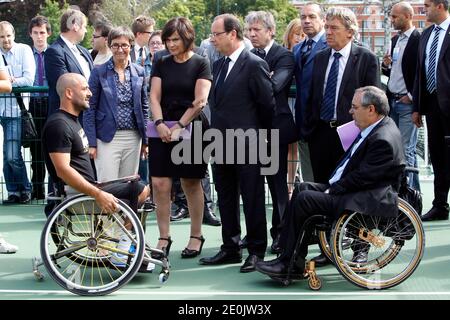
(260, 27)
(432, 99)
(366, 180)
(312, 19)
(65, 55)
(400, 66)
(338, 71)
(241, 99)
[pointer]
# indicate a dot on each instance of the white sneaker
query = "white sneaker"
(118, 259)
(6, 247)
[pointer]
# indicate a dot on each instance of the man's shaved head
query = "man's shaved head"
(67, 80)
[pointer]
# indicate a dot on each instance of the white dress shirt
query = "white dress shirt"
(345, 52)
(84, 64)
(444, 27)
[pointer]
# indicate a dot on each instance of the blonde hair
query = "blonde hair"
(292, 27)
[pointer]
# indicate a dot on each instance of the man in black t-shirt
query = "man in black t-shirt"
(66, 151)
(66, 146)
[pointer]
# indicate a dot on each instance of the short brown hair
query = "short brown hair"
(141, 23)
(39, 21)
(71, 17)
(185, 30)
(120, 32)
(230, 23)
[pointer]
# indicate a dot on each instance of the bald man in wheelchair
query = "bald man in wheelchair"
(67, 158)
(366, 180)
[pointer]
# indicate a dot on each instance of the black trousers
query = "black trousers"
(279, 191)
(38, 109)
(325, 150)
(438, 126)
(311, 200)
(232, 181)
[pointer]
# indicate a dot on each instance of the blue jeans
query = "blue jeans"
(14, 169)
(401, 113)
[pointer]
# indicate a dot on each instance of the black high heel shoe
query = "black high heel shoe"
(189, 253)
(166, 249)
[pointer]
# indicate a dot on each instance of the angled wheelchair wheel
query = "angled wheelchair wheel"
(90, 252)
(393, 247)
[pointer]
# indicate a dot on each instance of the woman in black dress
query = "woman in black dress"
(180, 85)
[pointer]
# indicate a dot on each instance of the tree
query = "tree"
(123, 12)
(53, 10)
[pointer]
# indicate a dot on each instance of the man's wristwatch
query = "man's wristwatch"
(158, 122)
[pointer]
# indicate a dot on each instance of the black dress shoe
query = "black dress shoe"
(179, 214)
(25, 198)
(435, 214)
(12, 199)
(275, 247)
(249, 264)
(210, 218)
(321, 260)
(37, 195)
(243, 244)
(279, 270)
(222, 257)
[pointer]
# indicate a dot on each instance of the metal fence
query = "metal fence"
(30, 92)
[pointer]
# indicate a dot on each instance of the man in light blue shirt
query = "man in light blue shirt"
(19, 61)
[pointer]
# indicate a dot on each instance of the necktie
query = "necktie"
(431, 74)
(140, 59)
(40, 69)
(223, 74)
(347, 154)
(329, 98)
(306, 54)
(261, 53)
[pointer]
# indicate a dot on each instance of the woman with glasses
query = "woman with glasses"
(115, 123)
(180, 85)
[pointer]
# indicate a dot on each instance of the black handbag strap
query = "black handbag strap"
(16, 94)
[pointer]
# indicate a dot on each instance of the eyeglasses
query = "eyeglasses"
(155, 43)
(116, 46)
(95, 37)
(215, 34)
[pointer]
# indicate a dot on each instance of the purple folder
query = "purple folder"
(153, 133)
(347, 133)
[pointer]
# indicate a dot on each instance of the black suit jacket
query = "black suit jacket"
(371, 179)
(59, 60)
(362, 69)
(281, 65)
(442, 76)
(409, 61)
(246, 99)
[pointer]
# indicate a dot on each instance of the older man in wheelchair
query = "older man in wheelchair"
(365, 181)
(67, 158)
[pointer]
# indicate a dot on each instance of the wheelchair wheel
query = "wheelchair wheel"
(81, 246)
(394, 247)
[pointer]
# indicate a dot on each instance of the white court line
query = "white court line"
(232, 293)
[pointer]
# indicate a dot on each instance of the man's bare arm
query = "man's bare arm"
(70, 176)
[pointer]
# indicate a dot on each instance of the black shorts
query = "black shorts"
(127, 191)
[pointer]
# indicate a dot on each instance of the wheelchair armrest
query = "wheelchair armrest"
(132, 178)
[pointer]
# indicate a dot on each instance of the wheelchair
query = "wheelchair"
(394, 247)
(80, 242)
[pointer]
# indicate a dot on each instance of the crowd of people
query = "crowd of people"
(142, 80)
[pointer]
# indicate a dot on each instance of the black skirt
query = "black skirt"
(161, 161)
